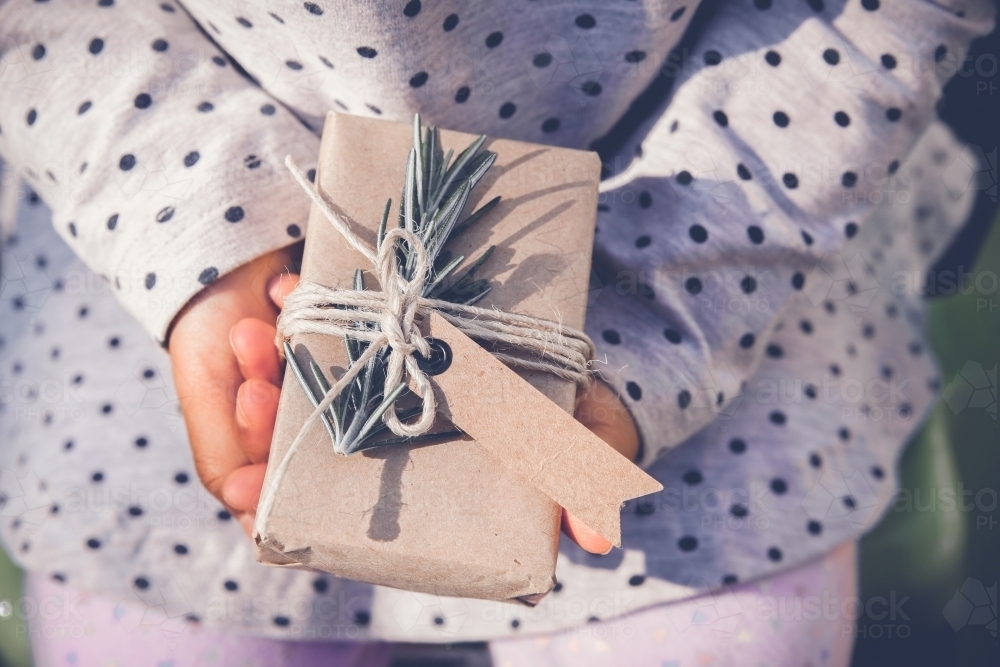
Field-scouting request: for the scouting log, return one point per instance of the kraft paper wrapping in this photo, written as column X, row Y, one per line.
column 445, row 518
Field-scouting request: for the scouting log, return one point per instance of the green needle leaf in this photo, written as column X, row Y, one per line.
column 467, row 276
column 352, row 349
column 382, row 224
column 442, row 169
column 411, row 167
column 440, row 435
column 293, row 363
column 442, row 226
column 421, row 162
column 481, row 288
column 377, row 415
column 457, row 167
column 324, row 385
column 436, row 170
column 430, row 150
column 442, row 274
column 475, row 217
column 480, row 167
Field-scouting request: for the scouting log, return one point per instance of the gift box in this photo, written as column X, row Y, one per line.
column 444, row 516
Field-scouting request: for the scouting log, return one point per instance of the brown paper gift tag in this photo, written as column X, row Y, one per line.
column 550, row 449
column 446, row 518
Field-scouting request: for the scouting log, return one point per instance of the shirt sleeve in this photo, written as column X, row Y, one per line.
column 162, row 162
column 785, row 127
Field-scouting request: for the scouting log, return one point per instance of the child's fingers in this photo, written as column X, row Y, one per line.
column 606, row 416
column 256, row 408
column 241, row 488
column 246, row 520
column 584, row 535
column 603, row 413
column 280, row 286
column 252, row 341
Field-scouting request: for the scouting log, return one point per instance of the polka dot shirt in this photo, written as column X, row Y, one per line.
column 747, row 233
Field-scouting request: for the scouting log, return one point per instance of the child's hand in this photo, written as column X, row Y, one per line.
column 210, row 378
column 257, row 405
column 608, row 418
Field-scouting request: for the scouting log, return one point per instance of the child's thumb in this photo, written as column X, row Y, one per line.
column 281, row 286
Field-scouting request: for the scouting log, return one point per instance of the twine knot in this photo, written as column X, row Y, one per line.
column 401, row 304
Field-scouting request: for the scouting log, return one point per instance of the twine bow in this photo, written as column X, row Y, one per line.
column 313, row 308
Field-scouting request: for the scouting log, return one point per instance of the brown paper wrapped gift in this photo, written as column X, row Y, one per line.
column 447, row 518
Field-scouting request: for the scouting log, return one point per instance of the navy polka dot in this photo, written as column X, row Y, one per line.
column 634, row 390
column 208, row 276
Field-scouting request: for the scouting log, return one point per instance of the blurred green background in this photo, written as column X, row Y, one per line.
column 14, row 650
column 921, row 550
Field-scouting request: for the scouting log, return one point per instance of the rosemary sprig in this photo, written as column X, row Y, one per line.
column 435, row 193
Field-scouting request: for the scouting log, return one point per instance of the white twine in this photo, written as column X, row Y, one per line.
column 316, row 309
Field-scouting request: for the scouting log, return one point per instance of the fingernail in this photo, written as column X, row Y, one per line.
column 610, row 547
column 241, row 418
column 232, row 344
column 246, row 520
column 227, row 497
column 273, row 287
